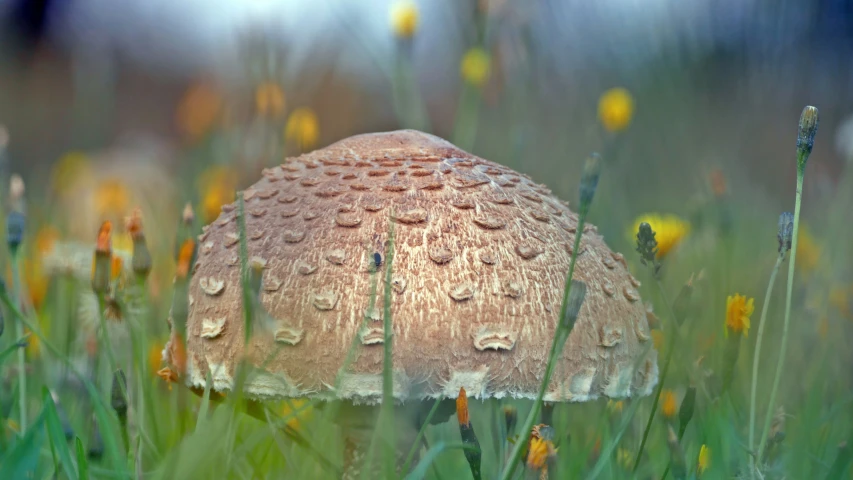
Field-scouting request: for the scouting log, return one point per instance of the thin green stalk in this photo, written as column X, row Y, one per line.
column 560, row 336
column 771, row 407
column 757, row 355
column 21, row 353
column 421, row 433
column 666, row 362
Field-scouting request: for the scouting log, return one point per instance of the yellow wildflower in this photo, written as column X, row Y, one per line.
column 198, row 110
column 538, row 452
column 218, row 186
column 475, row 66
column 669, row 230
column 295, row 411
column 269, row 99
column 615, row 109
column 668, row 404
column 112, row 197
column 302, row 128
column 404, row 18
column 704, row 459
column 738, row 311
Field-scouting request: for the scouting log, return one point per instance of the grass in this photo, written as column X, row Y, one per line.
column 50, row 396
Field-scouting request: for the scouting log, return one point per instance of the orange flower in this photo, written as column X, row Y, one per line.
column 198, row 110
column 104, row 236
column 668, row 404
column 462, row 407
column 168, row 375
column 155, row 356
column 133, row 223
column 115, row 270
column 218, row 186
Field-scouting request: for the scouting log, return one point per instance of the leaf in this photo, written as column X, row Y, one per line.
column 22, row 459
column 56, row 435
column 420, row 471
column 82, row 461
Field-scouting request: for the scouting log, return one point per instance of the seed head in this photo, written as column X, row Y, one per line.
column 806, row 133
column 786, row 231
column 589, row 179
column 647, row 246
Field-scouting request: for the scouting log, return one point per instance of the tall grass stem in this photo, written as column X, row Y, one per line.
column 788, row 298
column 757, row 355
column 21, row 353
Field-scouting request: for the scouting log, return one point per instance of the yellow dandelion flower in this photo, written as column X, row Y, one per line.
column 112, row 197
column 218, row 186
column 198, row 110
column 808, row 251
column 296, row 411
column 404, row 18
column 302, row 128
column 738, row 311
column 704, row 460
column 475, row 66
column 269, row 99
column 538, row 452
column 668, row 404
column 669, row 230
column 615, row 109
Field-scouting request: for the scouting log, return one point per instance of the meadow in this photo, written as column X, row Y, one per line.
column 749, row 300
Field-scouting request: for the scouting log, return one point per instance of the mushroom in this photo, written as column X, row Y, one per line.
column 478, row 278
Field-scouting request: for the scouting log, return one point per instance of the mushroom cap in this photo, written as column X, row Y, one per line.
column 480, row 260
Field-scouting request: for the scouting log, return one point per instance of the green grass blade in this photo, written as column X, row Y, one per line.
column 22, row 460
column 420, row 471
column 82, row 461
column 56, row 435
column 421, row 434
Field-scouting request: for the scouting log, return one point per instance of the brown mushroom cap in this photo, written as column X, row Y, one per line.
column 481, row 255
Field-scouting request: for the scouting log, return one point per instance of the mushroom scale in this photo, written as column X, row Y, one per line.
column 480, row 260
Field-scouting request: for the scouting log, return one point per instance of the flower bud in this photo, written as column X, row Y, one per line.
column 118, row 398
column 806, row 133
column 589, row 180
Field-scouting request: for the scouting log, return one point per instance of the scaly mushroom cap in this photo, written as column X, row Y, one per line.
column 480, row 260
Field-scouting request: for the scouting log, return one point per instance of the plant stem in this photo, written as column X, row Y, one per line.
column 666, row 362
column 788, row 297
column 757, row 355
column 560, row 336
column 21, row 353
